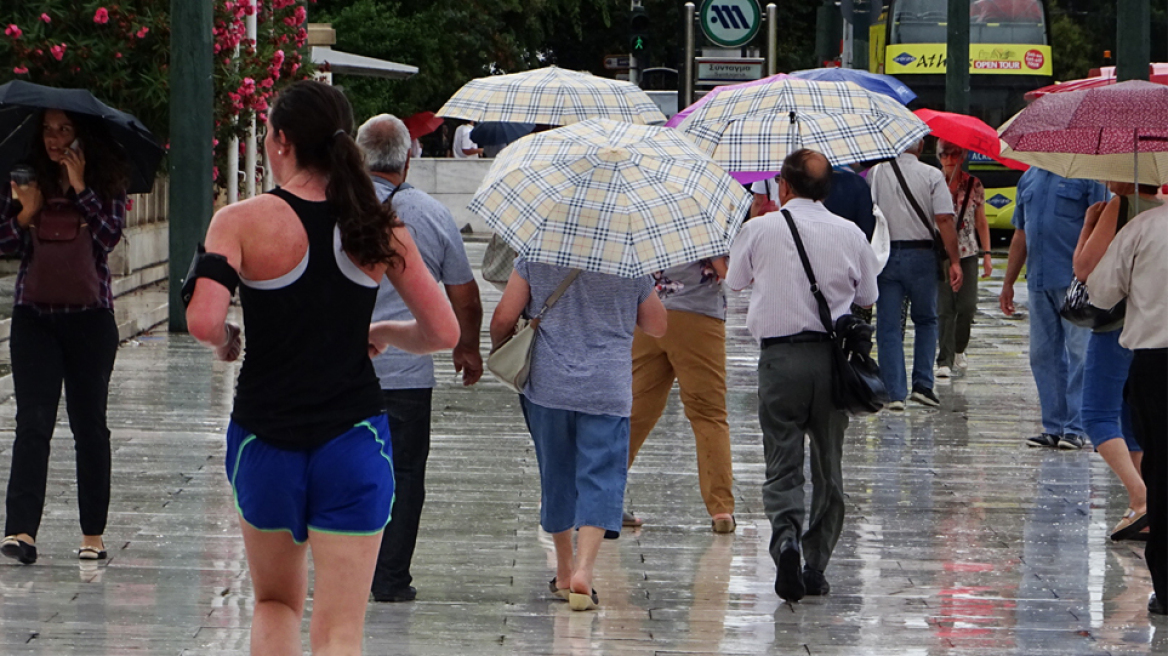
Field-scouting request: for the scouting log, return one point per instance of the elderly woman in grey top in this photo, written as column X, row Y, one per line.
column 577, row 402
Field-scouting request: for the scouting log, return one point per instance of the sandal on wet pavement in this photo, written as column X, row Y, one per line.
column 629, row 519
column 580, row 601
column 91, row 553
column 19, row 550
column 1130, row 525
column 723, row 523
column 561, row 593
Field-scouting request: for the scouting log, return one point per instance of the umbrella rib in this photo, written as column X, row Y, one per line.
column 13, row 133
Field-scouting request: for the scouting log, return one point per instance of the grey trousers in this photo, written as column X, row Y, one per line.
column 794, row 400
column 955, row 311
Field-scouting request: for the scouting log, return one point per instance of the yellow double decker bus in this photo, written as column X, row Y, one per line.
column 1009, row 55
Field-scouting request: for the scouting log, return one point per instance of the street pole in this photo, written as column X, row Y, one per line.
column 772, row 18
column 1134, row 40
column 191, row 132
column 688, row 12
column 957, row 58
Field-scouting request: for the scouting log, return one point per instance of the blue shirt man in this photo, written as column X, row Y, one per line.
column 1048, row 217
column 407, row 380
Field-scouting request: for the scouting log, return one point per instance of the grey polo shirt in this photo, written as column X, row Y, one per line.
column 928, row 187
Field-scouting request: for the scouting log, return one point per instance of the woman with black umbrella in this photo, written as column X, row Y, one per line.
column 63, row 215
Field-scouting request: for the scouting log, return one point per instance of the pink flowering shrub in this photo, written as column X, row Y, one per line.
column 119, row 50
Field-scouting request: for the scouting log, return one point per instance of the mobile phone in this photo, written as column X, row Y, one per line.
column 75, row 146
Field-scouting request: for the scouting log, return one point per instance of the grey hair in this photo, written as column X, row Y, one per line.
column 385, row 142
column 917, row 148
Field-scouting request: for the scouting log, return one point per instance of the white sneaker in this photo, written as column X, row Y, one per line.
column 961, row 362
column 896, row 406
column 944, row 372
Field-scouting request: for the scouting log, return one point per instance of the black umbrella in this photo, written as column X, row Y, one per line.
column 494, row 133
column 21, row 104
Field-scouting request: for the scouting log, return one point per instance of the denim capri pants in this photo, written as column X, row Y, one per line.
column 1106, row 416
column 583, row 465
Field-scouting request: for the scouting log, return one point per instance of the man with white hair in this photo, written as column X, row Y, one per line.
column 916, row 201
column 407, row 380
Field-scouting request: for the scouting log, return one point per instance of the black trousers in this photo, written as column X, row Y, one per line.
column 409, row 432
column 78, row 348
column 1147, row 394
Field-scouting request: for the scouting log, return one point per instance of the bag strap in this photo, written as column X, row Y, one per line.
column 911, row 199
column 1124, row 210
column 824, row 310
column 551, row 300
column 965, row 204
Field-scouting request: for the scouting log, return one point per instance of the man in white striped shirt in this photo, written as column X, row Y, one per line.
column 795, row 366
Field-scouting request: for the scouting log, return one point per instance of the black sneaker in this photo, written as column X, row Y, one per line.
column 924, row 396
column 1071, row 442
column 408, row 593
column 1044, row 439
column 814, row 582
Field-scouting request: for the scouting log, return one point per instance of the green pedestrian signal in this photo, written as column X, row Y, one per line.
column 639, row 32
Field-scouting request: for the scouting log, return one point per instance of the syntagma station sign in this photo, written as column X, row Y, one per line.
column 984, row 59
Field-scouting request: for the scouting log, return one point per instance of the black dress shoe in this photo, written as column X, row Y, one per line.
column 789, row 583
column 408, row 593
column 815, row 582
column 1156, row 607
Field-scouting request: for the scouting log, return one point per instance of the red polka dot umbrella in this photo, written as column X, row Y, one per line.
column 1117, row 132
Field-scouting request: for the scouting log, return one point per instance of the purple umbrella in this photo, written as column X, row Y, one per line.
column 674, row 121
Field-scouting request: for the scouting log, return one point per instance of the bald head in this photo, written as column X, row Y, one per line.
column 807, row 174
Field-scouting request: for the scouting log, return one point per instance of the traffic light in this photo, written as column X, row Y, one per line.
column 638, row 32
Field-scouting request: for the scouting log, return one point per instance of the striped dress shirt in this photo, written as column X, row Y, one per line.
column 781, row 302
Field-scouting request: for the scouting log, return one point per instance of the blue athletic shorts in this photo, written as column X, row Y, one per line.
column 344, row 486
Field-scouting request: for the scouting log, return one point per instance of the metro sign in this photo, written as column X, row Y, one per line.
column 999, row 201
column 730, row 23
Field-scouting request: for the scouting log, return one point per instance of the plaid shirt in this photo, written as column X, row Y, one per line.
column 105, row 220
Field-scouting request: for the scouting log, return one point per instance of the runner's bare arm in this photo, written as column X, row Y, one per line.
column 435, row 327
column 207, row 312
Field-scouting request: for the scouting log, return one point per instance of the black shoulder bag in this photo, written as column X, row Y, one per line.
column 1077, row 306
column 856, row 385
column 938, row 244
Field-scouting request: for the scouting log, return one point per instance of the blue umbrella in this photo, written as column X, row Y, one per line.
column 874, row 82
column 494, row 133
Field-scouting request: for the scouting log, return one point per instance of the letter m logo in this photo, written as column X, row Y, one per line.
column 730, row 16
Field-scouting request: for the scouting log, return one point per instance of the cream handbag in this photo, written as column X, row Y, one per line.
column 511, row 361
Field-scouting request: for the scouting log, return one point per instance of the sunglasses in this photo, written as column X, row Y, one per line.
column 951, row 153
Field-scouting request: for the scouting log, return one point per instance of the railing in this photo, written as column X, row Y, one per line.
column 152, row 207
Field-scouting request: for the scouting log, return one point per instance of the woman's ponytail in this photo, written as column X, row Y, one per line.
column 318, row 120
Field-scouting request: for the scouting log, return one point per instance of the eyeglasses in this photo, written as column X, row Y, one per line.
column 951, row 153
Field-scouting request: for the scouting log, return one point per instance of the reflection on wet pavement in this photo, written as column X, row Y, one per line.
column 958, row 539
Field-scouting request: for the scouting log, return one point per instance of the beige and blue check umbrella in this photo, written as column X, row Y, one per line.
column 551, row 96
column 611, row 197
column 755, row 127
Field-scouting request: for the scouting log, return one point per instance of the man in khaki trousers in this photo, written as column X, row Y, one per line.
column 692, row 352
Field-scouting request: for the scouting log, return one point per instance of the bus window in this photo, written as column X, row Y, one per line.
column 991, row 21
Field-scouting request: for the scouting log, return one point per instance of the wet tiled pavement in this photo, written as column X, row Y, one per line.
column 958, row 539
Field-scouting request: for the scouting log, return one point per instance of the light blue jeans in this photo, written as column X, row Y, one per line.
column 911, row 273
column 583, row 465
column 1058, row 351
column 1106, row 415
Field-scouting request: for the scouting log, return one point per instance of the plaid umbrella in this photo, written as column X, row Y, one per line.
column 551, row 96
column 1116, row 132
column 754, row 128
column 611, row 197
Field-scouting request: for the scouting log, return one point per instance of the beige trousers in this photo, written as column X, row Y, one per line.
column 692, row 352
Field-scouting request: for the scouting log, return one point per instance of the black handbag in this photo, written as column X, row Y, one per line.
column 1077, row 306
column 856, row 386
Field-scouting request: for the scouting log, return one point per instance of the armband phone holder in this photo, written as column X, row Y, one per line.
column 208, row 265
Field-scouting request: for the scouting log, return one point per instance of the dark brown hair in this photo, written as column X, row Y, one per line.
column 808, row 173
column 106, row 170
column 318, row 120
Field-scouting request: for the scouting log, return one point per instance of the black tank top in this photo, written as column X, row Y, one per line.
column 306, row 375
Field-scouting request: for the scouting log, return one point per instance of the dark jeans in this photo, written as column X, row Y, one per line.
column 794, row 400
column 1147, row 389
column 955, row 311
column 78, row 348
column 409, row 430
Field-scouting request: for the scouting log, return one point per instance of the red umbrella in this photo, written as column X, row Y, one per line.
column 967, row 132
column 422, row 123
